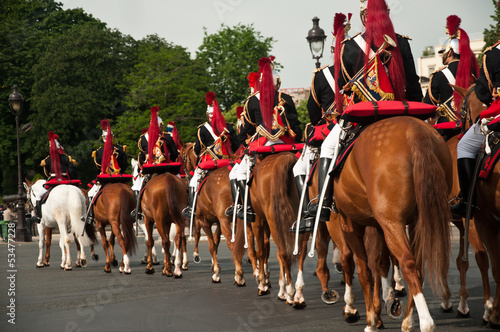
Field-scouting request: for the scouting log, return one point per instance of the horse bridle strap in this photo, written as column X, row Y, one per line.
column 465, row 109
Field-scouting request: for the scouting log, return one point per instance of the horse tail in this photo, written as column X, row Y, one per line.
column 431, row 239
column 127, row 222
column 172, row 189
column 76, row 209
column 284, row 213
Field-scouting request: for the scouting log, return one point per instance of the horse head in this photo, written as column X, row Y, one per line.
column 470, row 106
column 189, row 158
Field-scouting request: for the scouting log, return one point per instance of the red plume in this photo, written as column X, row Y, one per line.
column 452, row 25
column 175, row 136
column 108, row 147
column 218, row 122
column 378, row 24
column 266, row 92
column 239, row 110
column 339, row 34
column 253, row 81
column 55, row 161
column 153, row 132
column 467, row 65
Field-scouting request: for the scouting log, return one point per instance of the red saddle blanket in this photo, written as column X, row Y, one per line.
column 275, row 148
column 213, row 164
column 114, row 178
column 368, row 112
column 488, row 162
column 55, row 182
column 173, row 168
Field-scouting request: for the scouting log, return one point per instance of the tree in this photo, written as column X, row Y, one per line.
column 164, row 76
column 492, row 35
column 229, row 56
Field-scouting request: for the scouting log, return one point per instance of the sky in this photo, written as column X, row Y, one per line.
column 288, row 22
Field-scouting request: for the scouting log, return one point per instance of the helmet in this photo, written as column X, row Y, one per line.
column 105, row 129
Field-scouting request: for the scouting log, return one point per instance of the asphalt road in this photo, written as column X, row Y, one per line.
column 86, row 299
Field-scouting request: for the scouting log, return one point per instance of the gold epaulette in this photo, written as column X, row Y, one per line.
column 404, row 36
column 201, row 125
column 124, row 148
column 94, row 154
column 489, row 48
column 43, row 163
column 319, row 69
column 73, row 161
column 438, row 70
column 351, row 37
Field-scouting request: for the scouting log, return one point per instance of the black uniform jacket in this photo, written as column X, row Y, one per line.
column 68, row 166
column 439, row 90
column 121, row 158
column 205, row 139
column 168, row 141
column 253, row 116
column 492, row 64
column 322, row 95
column 353, row 59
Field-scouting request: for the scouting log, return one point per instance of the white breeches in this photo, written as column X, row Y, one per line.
column 137, row 183
column 196, row 177
column 470, row 144
column 330, row 143
column 300, row 167
column 93, row 191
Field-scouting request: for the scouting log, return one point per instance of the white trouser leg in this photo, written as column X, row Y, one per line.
column 300, row 167
column 470, row 144
column 330, row 143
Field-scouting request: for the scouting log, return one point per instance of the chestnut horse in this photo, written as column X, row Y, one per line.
column 274, row 199
column 485, row 218
column 112, row 207
column 398, row 173
column 163, row 199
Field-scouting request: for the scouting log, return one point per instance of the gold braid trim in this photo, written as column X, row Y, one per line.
column 344, row 70
column 492, row 88
column 313, row 91
column 434, row 100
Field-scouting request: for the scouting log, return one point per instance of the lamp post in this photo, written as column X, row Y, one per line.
column 316, row 39
column 16, row 102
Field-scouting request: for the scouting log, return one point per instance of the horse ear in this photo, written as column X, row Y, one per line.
column 28, row 182
column 461, row 91
column 26, row 185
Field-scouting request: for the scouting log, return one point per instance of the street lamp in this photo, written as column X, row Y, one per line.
column 316, row 39
column 16, row 102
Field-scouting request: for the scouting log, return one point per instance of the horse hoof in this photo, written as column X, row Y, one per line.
column 184, row 268
column 196, row 259
column 330, row 297
column 216, row 281
column 462, row 315
column 351, row 318
column 46, row 264
column 484, row 322
column 401, row 293
column 395, row 309
column 84, row 263
column 168, row 274
column 177, row 276
column 297, row 305
column 107, row 271
column 129, row 272
column 95, row 257
column 447, row 311
column 263, row 292
column 114, row 263
column 338, row 268
column 238, row 284
column 68, row 269
column 40, row 266
column 77, row 264
column 150, row 271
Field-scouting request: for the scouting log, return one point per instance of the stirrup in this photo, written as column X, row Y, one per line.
column 186, row 212
column 230, row 210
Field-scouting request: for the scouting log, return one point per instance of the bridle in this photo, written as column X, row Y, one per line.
column 187, row 161
column 465, row 110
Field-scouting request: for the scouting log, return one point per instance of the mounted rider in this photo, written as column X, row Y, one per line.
column 322, row 113
column 109, row 159
column 57, row 166
column 155, row 147
column 459, row 67
column 215, row 140
column 470, row 144
column 355, row 80
column 270, row 118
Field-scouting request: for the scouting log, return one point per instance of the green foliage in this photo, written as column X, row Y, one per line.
column 229, row 56
column 303, row 114
column 492, row 35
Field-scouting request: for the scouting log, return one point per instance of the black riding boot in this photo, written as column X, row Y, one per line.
column 90, row 218
column 465, row 168
column 323, row 166
column 136, row 200
column 250, row 212
column 307, row 220
column 189, row 209
column 38, row 211
column 234, row 190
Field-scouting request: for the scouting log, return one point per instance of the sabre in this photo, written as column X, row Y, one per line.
column 234, row 213
column 301, row 204
column 245, row 206
column 192, row 216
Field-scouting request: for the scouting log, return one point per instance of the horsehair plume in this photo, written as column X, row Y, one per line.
column 210, row 97
column 452, row 25
column 339, row 34
column 153, row 132
column 266, row 91
column 175, row 136
column 108, row 147
column 253, row 81
column 55, row 161
column 239, row 110
column 378, row 24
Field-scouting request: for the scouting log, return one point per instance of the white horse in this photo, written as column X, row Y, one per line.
column 64, row 208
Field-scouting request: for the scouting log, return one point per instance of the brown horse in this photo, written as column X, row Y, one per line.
column 398, row 173
column 112, row 207
column 274, row 199
column 163, row 199
column 485, row 219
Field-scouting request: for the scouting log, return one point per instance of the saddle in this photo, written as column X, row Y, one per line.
column 114, row 178
column 151, row 168
column 489, row 161
column 54, row 182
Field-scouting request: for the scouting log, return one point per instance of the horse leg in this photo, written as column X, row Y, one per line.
column 322, row 271
column 252, row 255
column 64, row 243
column 125, row 264
column 185, row 260
column 212, row 247
column 41, row 242
column 111, row 242
column 178, row 248
column 150, row 245
column 164, row 231
column 397, row 279
column 267, row 253
column 298, row 301
column 48, row 242
column 197, row 235
column 102, row 231
column 260, row 253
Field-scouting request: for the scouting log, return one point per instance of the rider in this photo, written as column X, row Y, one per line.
column 57, row 165
column 109, row 159
column 469, row 145
column 355, row 52
column 270, row 118
column 459, row 65
column 215, row 140
column 322, row 112
column 155, row 147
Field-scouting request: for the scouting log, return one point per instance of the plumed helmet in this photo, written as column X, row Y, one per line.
column 217, row 120
column 154, row 131
column 55, row 150
column 108, row 145
column 239, row 110
column 105, row 131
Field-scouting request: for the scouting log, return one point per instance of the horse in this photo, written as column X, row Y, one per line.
column 64, row 208
column 112, row 207
column 399, row 173
column 485, row 217
column 163, row 199
column 274, row 199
